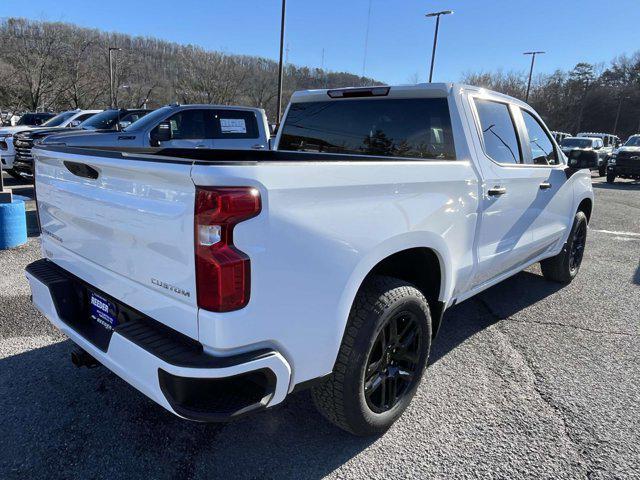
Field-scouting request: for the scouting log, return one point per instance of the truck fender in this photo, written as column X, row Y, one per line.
column 385, row 249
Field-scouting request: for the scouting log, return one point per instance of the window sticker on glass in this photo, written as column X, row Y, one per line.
column 233, row 125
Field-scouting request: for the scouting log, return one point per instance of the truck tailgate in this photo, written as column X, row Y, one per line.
column 125, row 223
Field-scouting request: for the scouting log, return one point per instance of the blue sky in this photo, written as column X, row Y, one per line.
column 480, row 35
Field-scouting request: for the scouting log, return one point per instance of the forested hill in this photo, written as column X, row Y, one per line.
column 56, row 66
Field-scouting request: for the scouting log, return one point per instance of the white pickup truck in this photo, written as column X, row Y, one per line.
column 219, row 281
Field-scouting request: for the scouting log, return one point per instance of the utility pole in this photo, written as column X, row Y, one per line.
column 366, row 40
column 615, row 124
column 533, row 59
column 111, row 88
column 435, row 37
column 281, row 65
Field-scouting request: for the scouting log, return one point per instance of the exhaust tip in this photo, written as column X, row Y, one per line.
column 80, row 358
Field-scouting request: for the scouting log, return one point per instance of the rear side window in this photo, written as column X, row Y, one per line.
column 542, row 150
column 416, row 128
column 235, row 124
column 498, row 131
column 190, row 125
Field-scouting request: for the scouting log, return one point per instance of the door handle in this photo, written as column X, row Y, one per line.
column 257, row 146
column 496, row 191
column 545, row 186
column 201, row 145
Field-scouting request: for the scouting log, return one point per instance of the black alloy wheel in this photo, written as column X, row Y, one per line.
column 393, row 362
column 577, row 246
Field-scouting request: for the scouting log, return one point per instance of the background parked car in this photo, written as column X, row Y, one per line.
column 106, row 121
column 625, row 161
column 68, row 119
column 25, row 121
column 184, row 126
column 559, row 136
column 587, row 143
column 610, row 143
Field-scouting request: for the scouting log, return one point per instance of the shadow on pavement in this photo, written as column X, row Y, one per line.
column 621, row 185
column 63, row 422
column 498, row 302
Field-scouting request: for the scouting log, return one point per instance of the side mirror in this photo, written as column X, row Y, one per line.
column 580, row 159
column 74, row 123
column 162, row 133
column 123, row 124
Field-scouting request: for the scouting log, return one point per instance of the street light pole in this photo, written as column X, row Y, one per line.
column 281, row 65
column 111, row 50
column 533, row 59
column 435, row 37
column 615, row 124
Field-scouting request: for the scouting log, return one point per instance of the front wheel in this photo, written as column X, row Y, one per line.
column 381, row 360
column 611, row 177
column 565, row 266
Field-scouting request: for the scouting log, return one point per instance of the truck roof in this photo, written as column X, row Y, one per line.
column 419, row 90
column 217, row 107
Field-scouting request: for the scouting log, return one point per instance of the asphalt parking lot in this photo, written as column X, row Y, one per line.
column 527, row 380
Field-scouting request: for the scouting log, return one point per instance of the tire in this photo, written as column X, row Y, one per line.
column 611, row 177
column 564, row 267
column 356, row 397
column 602, row 171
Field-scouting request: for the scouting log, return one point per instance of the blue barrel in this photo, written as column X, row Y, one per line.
column 13, row 224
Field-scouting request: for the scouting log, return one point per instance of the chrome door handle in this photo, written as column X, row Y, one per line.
column 545, row 186
column 257, row 146
column 201, row 145
column 496, row 191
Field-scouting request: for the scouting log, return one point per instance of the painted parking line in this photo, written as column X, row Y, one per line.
column 610, row 232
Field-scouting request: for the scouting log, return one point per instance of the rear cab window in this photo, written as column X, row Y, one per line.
column 389, row 127
column 235, row 124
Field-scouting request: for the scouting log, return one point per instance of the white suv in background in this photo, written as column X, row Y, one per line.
column 70, row 118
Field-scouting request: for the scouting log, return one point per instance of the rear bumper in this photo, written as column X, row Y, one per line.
column 168, row 367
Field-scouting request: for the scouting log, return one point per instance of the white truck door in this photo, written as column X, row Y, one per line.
column 238, row 129
column 553, row 206
column 191, row 128
column 510, row 188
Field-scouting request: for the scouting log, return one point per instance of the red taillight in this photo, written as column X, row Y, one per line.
column 223, row 273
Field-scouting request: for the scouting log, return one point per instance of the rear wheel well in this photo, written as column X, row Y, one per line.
column 586, row 206
column 420, row 267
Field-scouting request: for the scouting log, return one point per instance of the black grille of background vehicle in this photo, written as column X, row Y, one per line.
column 23, row 146
column 628, row 159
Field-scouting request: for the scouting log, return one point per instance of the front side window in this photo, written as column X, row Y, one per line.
column 542, row 151
column 191, row 125
column 415, row 128
column 498, row 131
column 633, row 142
